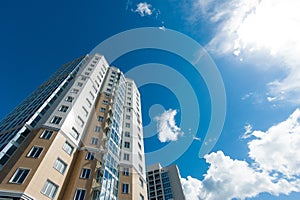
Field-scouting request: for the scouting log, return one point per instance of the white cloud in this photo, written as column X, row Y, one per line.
column 275, row 167
column 144, row 9
column 129, row 2
column 277, row 149
column 255, row 98
column 167, row 128
column 196, row 138
column 248, row 131
column 192, row 188
column 247, row 96
column 227, row 179
column 270, row 99
column 260, row 29
column 163, row 28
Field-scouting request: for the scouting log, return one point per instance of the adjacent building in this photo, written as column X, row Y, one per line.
column 164, row 183
column 78, row 136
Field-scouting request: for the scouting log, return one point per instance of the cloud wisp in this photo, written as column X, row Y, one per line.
column 265, row 31
column 166, row 126
column 248, row 131
column 144, row 9
column 274, row 168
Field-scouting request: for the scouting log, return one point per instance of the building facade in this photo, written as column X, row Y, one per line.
column 132, row 168
column 66, row 140
column 164, row 183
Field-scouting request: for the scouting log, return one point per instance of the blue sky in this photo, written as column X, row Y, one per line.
column 255, row 46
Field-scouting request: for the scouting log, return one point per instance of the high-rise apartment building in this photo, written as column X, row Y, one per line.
column 164, row 183
column 78, row 136
column 132, row 176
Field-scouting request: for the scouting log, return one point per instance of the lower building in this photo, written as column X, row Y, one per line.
column 164, row 183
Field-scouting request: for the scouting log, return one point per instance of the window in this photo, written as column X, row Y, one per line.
column 99, row 78
column 35, row 152
column 69, row 99
column 139, row 137
column 74, row 133
column 127, row 116
column 56, row 120
column 90, row 69
column 140, row 147
column 127, row 145
column 97, row 83
column 168, row 190
column 127, row 125
column 141, row 182
column 105, row 102
column 46, row 134
column 126, row 156
column 102, row 109
column 19, row 176
column 83, row 78
column 167, row 185
column 68, row 148
column 89, row 102
column 140, row 156
column 81, row 122
column 45, row 109
column 52, row 100
column 95, row 89
column 141, row 168
column 125, row 188
column 99, row 175
column 60, row 166
column 85, row 111
column 80, row 194
column 97, row 129
column 85, row 173
column 90, row 156
column 75, row 91
column 141, row 197
column 63, row 108
column 100, row 119
column 92, row 96
column 79, row 84
column 127, row 134
column 94, row 141
column 49, row 189
column 126, row 171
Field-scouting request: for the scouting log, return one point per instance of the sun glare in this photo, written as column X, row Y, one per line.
column 273, row 25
